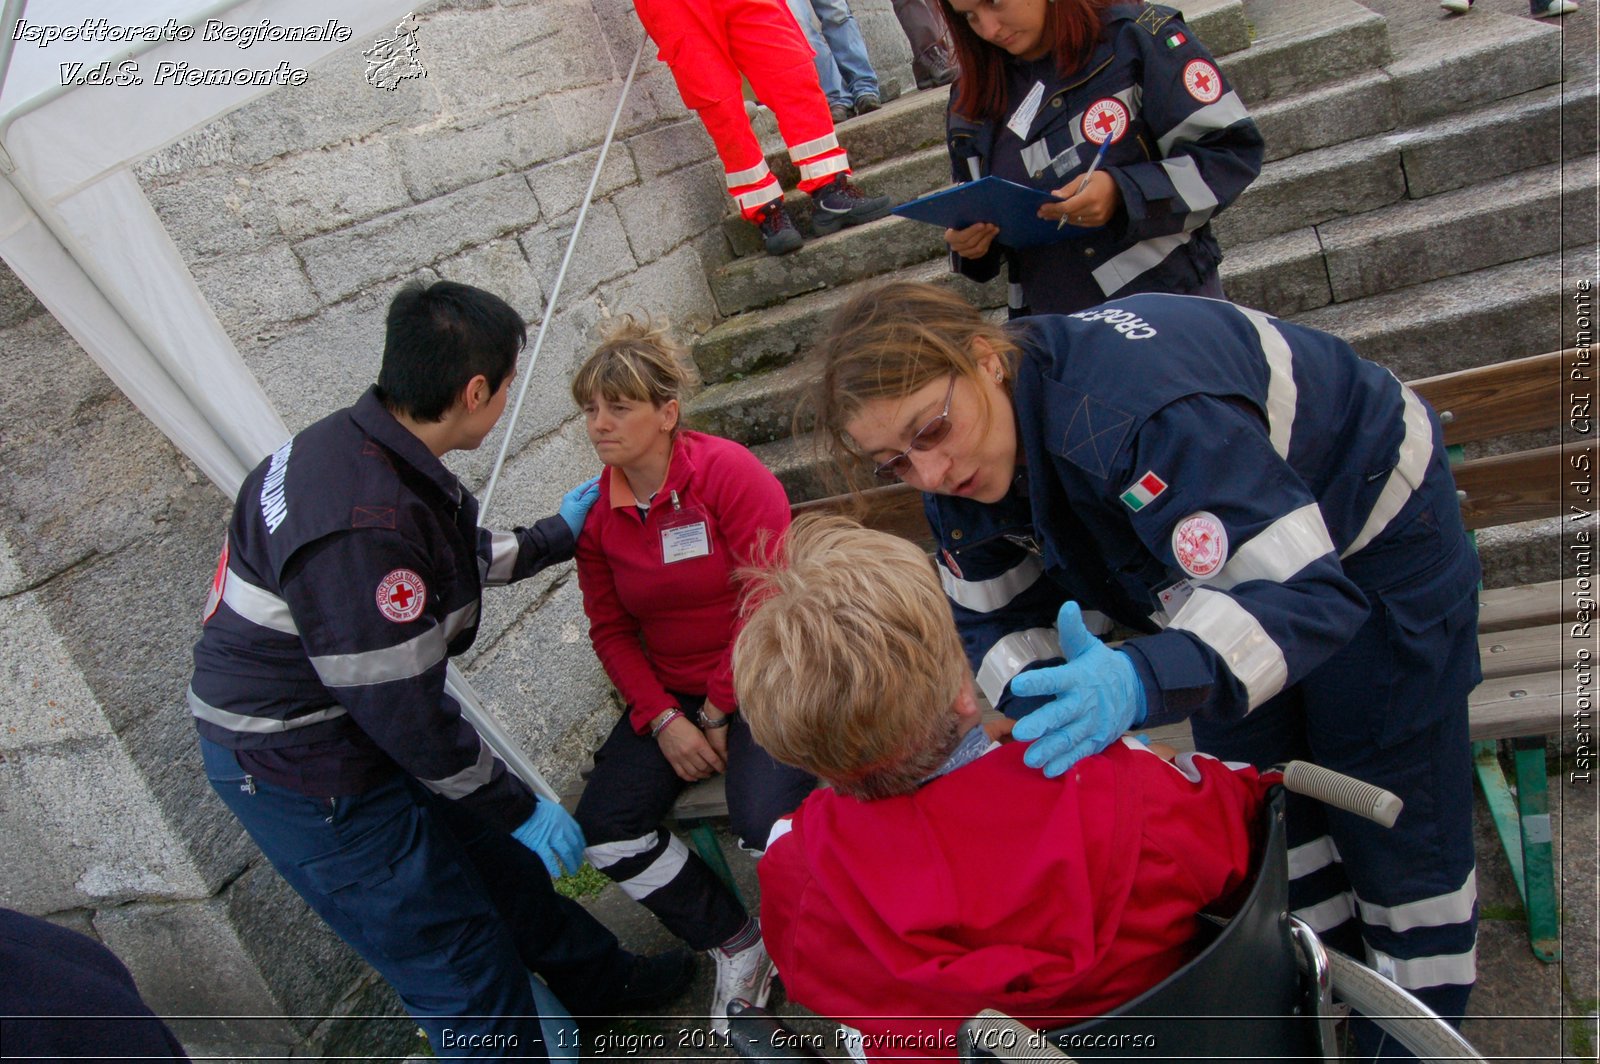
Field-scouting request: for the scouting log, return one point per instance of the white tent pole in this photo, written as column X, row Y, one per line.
column 8, row 32
column 555, row 292
column 478, row 714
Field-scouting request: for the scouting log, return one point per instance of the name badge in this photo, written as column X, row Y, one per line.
column 1021, row 119
column 684, row 534
column 1172, row 600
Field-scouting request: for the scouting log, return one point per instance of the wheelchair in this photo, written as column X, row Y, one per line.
column 1262, row 986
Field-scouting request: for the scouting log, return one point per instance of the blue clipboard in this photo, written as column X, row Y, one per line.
column 1011, row 206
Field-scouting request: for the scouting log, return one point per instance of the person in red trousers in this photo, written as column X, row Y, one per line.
column 709, row 45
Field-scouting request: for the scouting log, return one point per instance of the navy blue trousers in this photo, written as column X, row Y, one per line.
column 451, row 911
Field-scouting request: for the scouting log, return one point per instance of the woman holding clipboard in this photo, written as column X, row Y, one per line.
column 1123, row 115
column 679, row 514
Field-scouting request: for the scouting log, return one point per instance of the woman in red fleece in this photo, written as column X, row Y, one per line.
column 940, row 875
column 679, row 513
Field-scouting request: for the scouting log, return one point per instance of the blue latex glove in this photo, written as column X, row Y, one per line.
column 575, row 504
column 1098, row 696
column 552, row 834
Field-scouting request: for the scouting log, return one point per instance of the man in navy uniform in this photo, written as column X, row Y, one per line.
column 350, row 575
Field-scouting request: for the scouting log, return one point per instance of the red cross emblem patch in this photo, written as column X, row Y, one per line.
column 1202, row 81
column 1105, row 119
column 1200, row 544
column 401, row 596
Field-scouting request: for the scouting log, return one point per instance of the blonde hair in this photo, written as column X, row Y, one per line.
column 849, row 665
column 887, row 343
column 636, row 360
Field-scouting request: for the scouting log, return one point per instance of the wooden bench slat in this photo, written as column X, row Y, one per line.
column 1525, row 486
column 1523, row 650
column 1497, row 400
column 1525, row 605
column 1510, row 706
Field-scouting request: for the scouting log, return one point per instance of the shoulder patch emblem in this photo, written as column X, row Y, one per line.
column 1142, row 492
column 401, row 596
column 1200, row 544
column 1202, row 81
column 1152, row 19
column 1105, row 119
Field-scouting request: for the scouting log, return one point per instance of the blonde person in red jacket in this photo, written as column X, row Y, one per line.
column 679, row 514
column 940, row 875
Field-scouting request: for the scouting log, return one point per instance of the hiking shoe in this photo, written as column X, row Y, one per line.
column 840, row 112
column 867, row 103
column 778, row 233
column 1456, row 7
column 839, row 203
column 1556, row 7
column 654, row 981
column 746, row 975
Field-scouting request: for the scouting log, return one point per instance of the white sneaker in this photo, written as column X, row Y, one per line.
column 1557, row 7
column 747, row 974
column 1456, row 7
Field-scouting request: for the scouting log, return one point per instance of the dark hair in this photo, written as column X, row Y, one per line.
column 1071, row 26
column 438, row 338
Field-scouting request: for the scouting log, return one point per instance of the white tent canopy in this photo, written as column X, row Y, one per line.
column 76, row 227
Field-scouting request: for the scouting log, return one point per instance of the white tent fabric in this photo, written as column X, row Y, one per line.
column 77, row 229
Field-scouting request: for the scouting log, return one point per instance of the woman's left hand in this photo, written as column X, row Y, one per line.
column 1094, row 206
column 717, row 738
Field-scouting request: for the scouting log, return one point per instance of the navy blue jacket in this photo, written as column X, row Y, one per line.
column 1184, row 147
column 350, row 575
column 1227, row 482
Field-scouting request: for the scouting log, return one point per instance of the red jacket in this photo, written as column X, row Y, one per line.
column 995, row 887
column 660, row 627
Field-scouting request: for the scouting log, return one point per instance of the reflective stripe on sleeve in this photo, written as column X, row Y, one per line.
column 257, row 605
column 986, row 596
column 1146, row 255
column 833, row 164
column 1437, row 911
column 468, row 779
column 1197, row 195
column 1278, row 551
column 805, row 150
column 1225, row 626
column 749, row 177
column 1213, row 116
column 1282, row 392
column 503, row 549
column 1416, row 450
column 400, row 662
column 247, row 725
column 1444, row 969
column 1010, row 655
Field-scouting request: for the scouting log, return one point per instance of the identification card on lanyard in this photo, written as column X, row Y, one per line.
column 1021, row 119
column 684, row 533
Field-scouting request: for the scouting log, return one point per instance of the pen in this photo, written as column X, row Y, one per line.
column 1094, row 165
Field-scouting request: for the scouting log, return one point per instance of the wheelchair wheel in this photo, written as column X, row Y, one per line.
column 1396, row 1012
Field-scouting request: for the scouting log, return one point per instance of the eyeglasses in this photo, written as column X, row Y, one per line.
column 930, row 435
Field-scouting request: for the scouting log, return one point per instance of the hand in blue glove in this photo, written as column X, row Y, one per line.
column 575, row 504
column 1098, row 696
column 552, row 834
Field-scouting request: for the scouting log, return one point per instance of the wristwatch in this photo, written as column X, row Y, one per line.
column 710, row 723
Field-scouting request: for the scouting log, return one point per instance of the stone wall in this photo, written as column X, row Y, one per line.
column 299, row 215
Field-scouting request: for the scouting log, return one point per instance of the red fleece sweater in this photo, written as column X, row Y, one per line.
column 995, row 887
column 658, row 626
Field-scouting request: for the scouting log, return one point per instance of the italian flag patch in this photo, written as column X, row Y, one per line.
column 1142, row 492
column 1176, row 39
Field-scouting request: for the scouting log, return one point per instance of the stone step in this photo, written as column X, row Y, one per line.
column 1301, row 44
column 1416, row 241
column 751, row 343
column 1466, row 320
